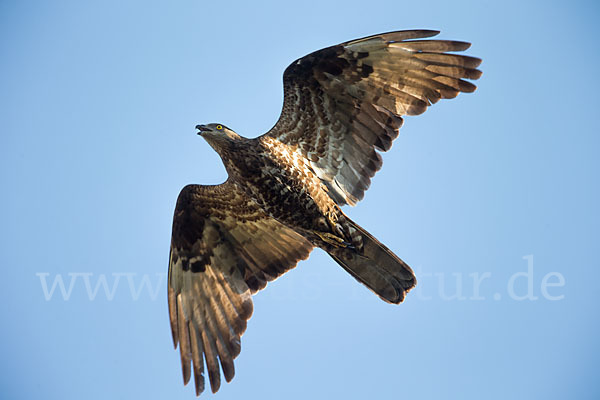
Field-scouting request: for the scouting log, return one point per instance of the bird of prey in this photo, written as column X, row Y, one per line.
column 342, row 106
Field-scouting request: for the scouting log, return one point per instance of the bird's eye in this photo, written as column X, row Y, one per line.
column 219, row 127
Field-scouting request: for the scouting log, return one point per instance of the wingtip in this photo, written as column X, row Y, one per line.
column 460, row 45
column 199, row 384
column 187, row 374
column 398, row 36
column 429, row 32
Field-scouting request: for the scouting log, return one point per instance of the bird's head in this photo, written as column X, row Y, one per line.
column 217, row 135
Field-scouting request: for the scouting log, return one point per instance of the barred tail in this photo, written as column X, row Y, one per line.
column 376, row 267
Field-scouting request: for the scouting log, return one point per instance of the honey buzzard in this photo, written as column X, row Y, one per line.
column 342, row 105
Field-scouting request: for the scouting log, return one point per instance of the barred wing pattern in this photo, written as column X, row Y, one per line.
column 223, row 249
column 344, row 102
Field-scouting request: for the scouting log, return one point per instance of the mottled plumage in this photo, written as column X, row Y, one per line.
column 342, row 105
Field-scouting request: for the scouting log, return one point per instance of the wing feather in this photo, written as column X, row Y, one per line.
column 344, row 102
column 223, row 249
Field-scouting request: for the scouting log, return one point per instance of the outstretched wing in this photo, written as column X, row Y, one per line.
column 343, row 103
column 223, row 249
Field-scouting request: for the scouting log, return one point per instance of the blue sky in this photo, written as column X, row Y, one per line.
column 98, row 107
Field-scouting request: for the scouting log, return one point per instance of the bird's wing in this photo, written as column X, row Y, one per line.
column 223, row 249
column 344, row 102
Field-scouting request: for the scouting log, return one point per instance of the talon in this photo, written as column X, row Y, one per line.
column 332, row 220
column 339, row 230
column 332, row 239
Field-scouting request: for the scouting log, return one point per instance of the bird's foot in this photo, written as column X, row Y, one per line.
column 332, row 239
column 333, row 221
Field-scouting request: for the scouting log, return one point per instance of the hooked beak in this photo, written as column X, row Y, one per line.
column 202, row 128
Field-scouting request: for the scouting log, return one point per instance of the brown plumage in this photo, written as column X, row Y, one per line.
column 341, row 105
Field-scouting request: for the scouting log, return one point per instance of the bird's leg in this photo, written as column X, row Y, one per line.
column 336, row 237
column 332, row 239
column 334, row 224
column 342, row 228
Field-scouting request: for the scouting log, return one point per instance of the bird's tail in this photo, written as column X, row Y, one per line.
column 375, row 266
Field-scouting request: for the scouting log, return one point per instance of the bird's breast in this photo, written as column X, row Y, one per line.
column 280, row 179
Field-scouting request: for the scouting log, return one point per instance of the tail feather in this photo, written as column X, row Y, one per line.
column 376, row 267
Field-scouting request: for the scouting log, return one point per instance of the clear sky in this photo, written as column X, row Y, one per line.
column 492, row 198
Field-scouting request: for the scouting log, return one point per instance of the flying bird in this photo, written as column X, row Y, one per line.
column 342, row 106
